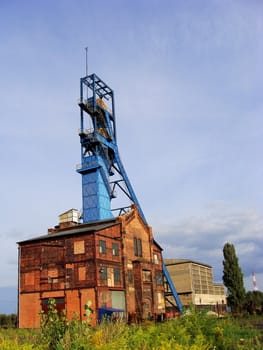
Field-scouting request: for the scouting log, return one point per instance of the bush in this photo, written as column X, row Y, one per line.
column 8, row 321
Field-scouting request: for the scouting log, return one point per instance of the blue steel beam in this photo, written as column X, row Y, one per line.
column 172, row 288
column 128, row 185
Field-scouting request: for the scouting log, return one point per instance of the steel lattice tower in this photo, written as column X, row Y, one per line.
column 101, row 167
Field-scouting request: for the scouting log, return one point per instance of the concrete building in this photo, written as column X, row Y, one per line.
column 195, row 285
column 114, row 263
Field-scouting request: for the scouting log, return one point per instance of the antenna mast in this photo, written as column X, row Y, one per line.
column 87, row 49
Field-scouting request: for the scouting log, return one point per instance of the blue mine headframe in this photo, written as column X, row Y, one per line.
column 101, row 167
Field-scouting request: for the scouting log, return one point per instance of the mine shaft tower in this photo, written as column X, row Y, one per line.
column 101, row 167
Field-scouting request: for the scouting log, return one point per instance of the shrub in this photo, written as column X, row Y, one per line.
column 53, row 326
column 8, row 321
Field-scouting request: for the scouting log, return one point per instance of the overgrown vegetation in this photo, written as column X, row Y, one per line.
column 192, row 331
column 8, row 321
column 254, row 302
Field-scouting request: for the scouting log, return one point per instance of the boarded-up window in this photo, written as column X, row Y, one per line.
column 29, row 279
column 79, row 247
column 53, row 272
column 82, row 273
column 52, row 275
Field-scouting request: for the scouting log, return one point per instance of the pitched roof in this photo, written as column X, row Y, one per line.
column 78, row 229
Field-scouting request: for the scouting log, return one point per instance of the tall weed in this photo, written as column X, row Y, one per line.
column 192, row 331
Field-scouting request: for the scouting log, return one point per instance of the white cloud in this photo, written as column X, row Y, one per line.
column 202, row 238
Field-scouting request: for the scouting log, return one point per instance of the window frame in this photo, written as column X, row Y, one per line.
column 103, row 273
column 159, row 278
column 130, row 276
column 155, row 258
column 102, row 246
column 147, row 276
column 117, row 275
column 137, row 242
column 115, row 249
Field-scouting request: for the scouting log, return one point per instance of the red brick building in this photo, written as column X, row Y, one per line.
column 115, row 263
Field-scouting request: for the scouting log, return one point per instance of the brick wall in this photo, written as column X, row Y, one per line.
column 29, row 309
column 72, row 265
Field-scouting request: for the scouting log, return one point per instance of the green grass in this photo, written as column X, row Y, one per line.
column 195, row 331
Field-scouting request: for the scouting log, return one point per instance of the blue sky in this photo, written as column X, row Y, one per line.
column 188, row 82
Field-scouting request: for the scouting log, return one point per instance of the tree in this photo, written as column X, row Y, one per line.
column 233, row 278
column 8, row 321
column 254, row 302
